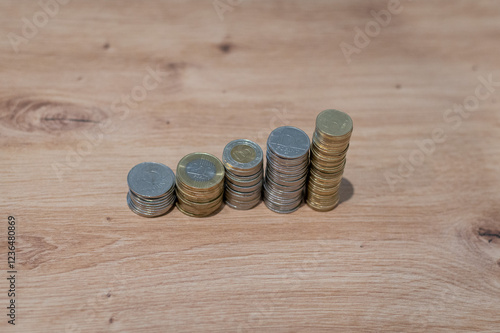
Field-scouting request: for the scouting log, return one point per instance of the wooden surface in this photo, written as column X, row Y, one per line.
column 423, row 255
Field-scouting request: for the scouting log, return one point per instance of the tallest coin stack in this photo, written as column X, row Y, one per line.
column 328, row 157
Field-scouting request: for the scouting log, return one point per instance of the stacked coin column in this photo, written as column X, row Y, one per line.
column 328, row 158
column 200, row 184
column 286, row 170
column 151, row 189
column 242, row 160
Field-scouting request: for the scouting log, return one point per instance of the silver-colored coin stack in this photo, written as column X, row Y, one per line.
column 286, row 170
column 151, row 189
column 243, row 161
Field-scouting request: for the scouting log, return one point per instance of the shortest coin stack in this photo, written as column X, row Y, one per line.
column 200, row 184
column 243, row 162
column 151, row 189
column 328, row 157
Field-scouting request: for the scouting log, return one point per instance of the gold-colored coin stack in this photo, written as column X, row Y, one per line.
column 328, row 158
column 200, row 184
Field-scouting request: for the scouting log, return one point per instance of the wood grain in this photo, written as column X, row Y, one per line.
column 422, row 256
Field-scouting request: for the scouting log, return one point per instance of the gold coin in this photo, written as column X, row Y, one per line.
column 314, row 191
column 321, row 206
column 198, row 193
column 195, row 213
column 334, row 123
column 327, row 139
column 198, row 199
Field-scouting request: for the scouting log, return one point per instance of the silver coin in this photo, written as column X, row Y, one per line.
column 288, row 177
column 244, row 181
column 289, row 142
column 290, row 187
column 282, row 200
column 242, row 206
column 146, row 200
column 238, row 176
column 150, row 180
column 152, row 206
column 231, row 194
column 278, row 209
column 286, row 205
column 287, row 167
column 245, row 189
column 147, row 213
column 286, row 161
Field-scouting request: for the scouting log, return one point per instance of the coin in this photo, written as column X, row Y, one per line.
column 243, row 162
column 288, row 142
column 286, row 170
column 328, row 158
column 200, row 170
column 243, row 157
column 200, row 184
column 151, row 189
column 334, row 123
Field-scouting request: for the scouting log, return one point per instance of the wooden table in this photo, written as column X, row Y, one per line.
column 88, row 89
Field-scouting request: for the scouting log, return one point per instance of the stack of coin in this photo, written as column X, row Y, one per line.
column 243, row 162
column 151, row 189
column 200, row 184
column 328, row 157
column 286, row 170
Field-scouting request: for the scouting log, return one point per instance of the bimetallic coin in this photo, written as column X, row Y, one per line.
column 200, row 170
column 242, row 157
column 243, row 161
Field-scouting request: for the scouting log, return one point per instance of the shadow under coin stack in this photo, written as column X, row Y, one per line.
column 286, row 170
column 151, row 189
column 200, row 184
column 328, row 158
column 243, row 162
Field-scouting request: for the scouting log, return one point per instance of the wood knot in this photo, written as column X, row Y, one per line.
column 31, row 114
column 489, row 234
column 176, row 66
column 225, row 47
column 480, row 237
